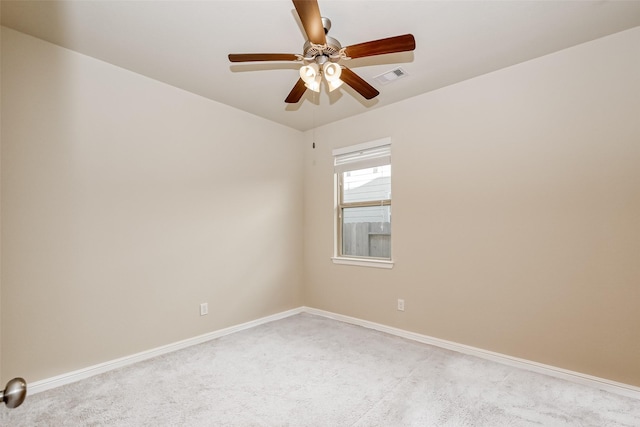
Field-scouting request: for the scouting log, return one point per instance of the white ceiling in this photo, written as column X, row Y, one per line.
column 185, row 43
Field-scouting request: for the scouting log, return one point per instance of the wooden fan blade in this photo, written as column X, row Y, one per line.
column 395, row 44
column 309, row 14
column 248, row 57
column 296, row 93
column 358, row 84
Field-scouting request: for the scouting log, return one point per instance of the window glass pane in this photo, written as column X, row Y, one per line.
column 367, row 184
column 366, row 231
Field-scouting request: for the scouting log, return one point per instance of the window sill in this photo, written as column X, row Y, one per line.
column 375, row 263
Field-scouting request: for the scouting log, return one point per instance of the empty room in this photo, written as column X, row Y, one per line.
column 320, row 213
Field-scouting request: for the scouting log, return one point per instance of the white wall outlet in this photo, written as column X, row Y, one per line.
column 400, row 305
column 204, row 309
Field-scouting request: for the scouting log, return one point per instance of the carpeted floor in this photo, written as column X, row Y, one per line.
column 312, row 371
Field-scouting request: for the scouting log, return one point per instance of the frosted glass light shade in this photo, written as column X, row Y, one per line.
column 314, row 85
column 332, row 72
column 310, row 74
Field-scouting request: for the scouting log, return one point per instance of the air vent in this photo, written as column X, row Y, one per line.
column 390, row 76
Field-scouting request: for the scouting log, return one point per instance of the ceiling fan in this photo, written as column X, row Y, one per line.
column 321, row 55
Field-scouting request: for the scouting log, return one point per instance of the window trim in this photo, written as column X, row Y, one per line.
column 361, row 147
column 363, row 262
column 339, row 205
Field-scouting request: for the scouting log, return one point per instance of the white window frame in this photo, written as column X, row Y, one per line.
column 358, row 161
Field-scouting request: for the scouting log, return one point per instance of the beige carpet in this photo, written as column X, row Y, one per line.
column 311, row 371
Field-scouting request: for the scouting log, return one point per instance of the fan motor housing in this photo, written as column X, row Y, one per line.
column 322, row 53
column 330, row 49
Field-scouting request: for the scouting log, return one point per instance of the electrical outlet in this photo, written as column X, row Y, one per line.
column 400, row 305
column 204, row 309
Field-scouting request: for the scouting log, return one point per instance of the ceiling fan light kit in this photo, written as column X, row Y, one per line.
column 322, row 53
column 311, row 75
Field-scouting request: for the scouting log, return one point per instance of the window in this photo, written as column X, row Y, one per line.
column 363, row 204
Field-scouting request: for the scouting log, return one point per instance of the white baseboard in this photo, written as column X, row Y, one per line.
column 552, row 371
column 80, row 374
column 576, row 377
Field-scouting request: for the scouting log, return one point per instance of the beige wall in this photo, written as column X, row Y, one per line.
column 516, row 212
column 125, row 204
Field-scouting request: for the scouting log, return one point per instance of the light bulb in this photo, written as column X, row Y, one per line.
column 331, row 71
